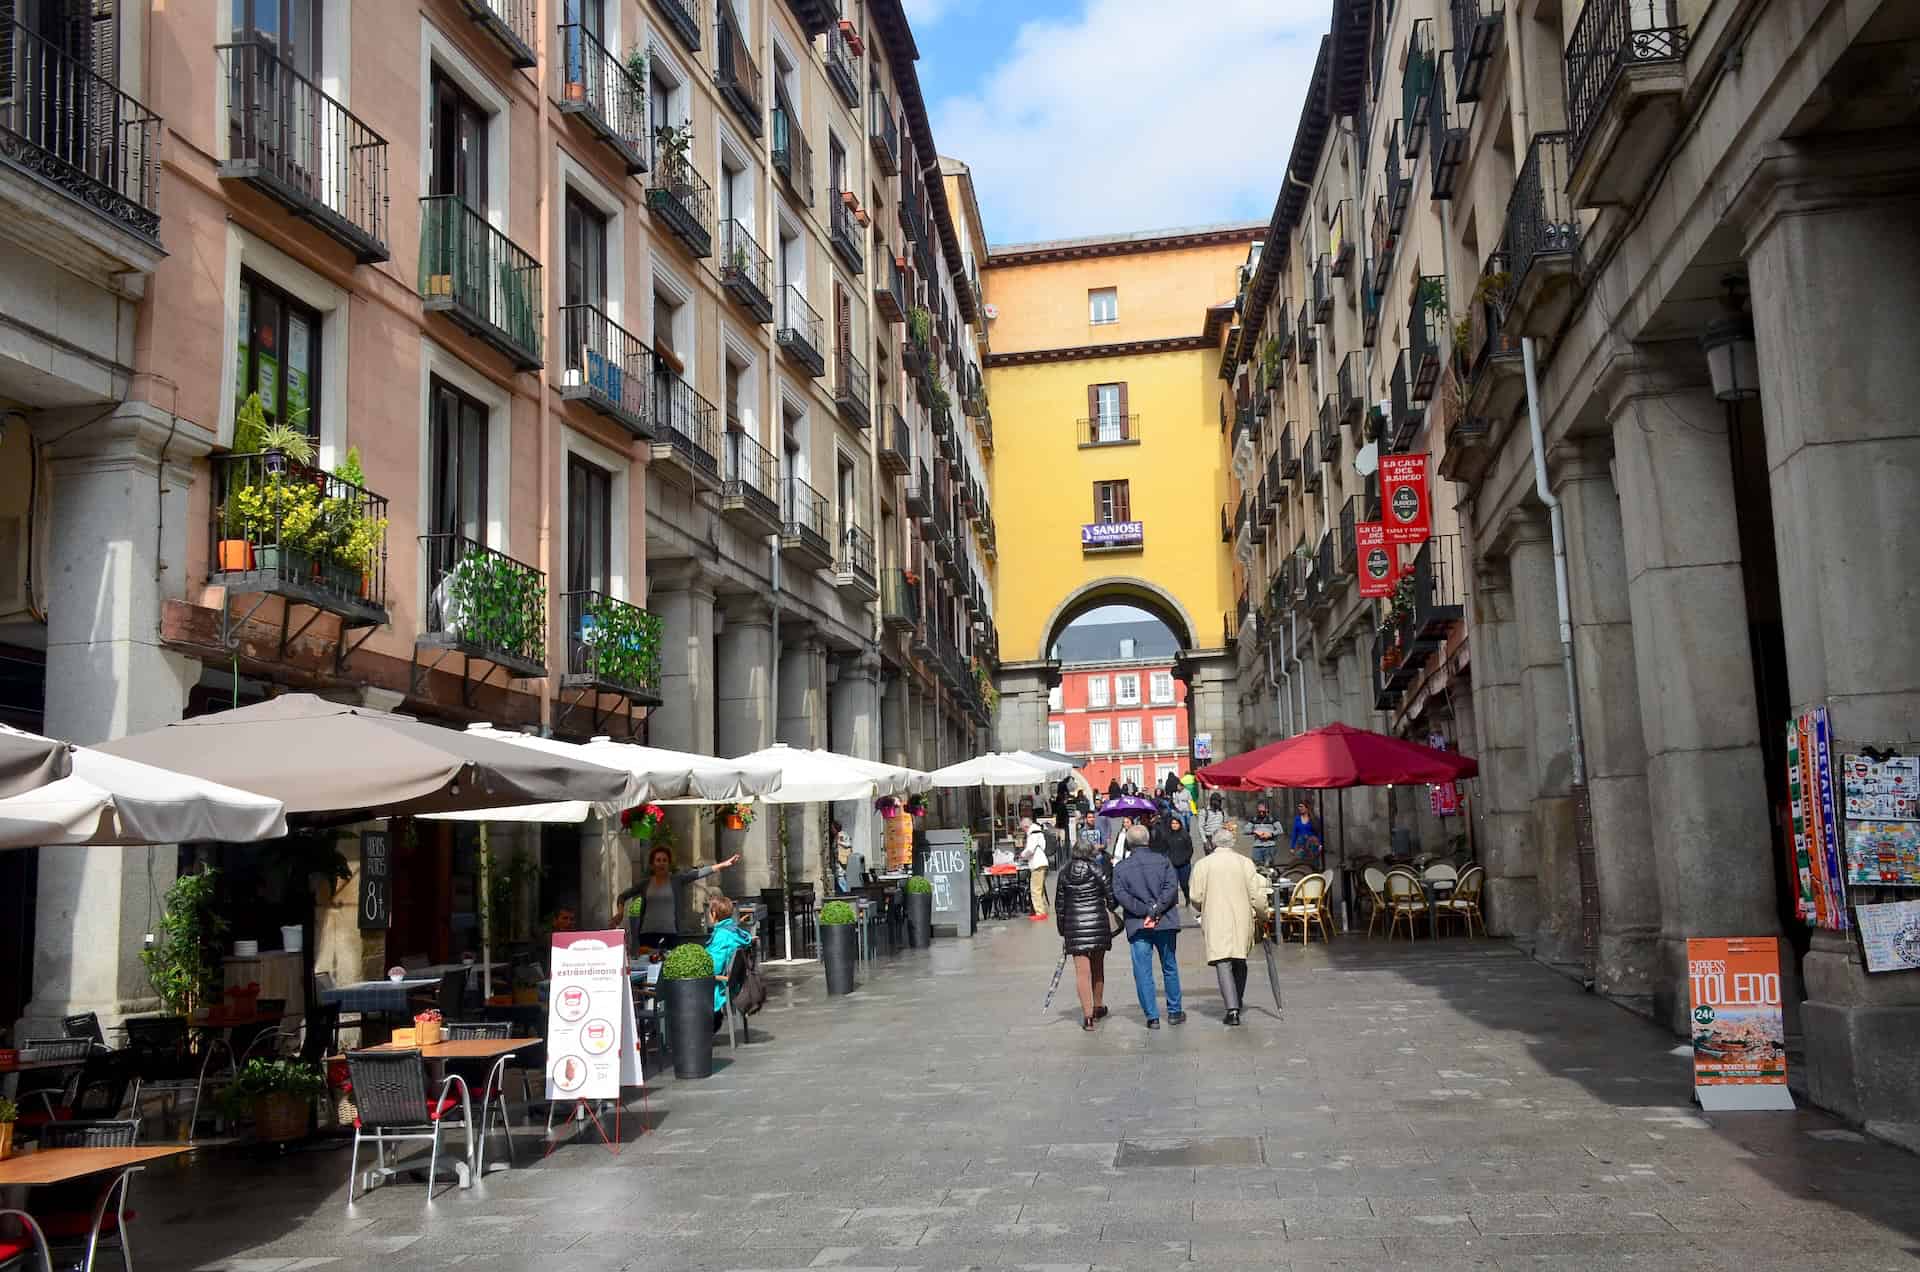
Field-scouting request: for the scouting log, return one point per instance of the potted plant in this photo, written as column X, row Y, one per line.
column 686, row 992
column 920, row 912
column 672, row 148
column 278, row 1094
column 644, row 822
column 9, row 1114
column 837, row 945
column 426, row 1026
column 731, row 816
column 184, row 963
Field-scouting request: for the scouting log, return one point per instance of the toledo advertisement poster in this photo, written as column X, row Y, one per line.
column 1739, row 1035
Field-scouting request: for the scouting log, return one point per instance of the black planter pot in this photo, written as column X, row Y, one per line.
column 689, row 1007
column 920, row 919
column 839, row 950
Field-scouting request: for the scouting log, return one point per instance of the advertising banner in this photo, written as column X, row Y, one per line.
column 592, row 1037
column 376, row 886
column 1739, row 1034
column 899, row 841
column 1890, row 935
column 1404, row 509
column 1113, row 534
column 1379, row 560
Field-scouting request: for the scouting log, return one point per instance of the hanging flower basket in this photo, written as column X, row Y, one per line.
column 731, row 816
column 887, row 806
column 643, row 822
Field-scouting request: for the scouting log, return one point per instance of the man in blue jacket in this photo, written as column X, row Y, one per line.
column 1148, row 891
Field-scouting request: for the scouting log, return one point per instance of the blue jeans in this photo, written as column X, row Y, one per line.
column 1142, row 946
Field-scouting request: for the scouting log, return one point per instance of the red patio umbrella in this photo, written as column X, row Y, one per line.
column 1337, row 755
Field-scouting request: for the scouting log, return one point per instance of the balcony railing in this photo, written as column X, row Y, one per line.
column 1488, row 340
column 1416, row 84
column 804, row 512
column 842, row 67
column 304, row 150
column 848, row 238
column 1109, row 430
column 735, row 73
column 889, row 286
column 912, row 218
column 884, row 133
column 287, row 529
column 612, row 646
column 1322, row 288
column 78, row 132
column 1437, row 597
column 1340, row 234
column 607, row 367
column 596, row 86
column 1540, row 216
column 480, row 278
column 683, row 18
column 850, row 392
column 899, row 601
column 1449, row 137
column 1423, row 334
column 751, row 477
column 792, row 156
column 1349, row 540
column 684, row 421
column 1309, row 464
column 1397, row 193
column 1610, row 36
column 896, row 441
column 1305, row 335
column 1289, row 462
column 1404, row 421
column 1329, row 440
column 484, row 604
column 920, row 492
column 1351, row 381
column 745, row 270
column 855, row 562
column 511, row 22
column 799, row 332
column 683, row 200
column 1477, row 29
column 1369, row 306
column 1265, row 503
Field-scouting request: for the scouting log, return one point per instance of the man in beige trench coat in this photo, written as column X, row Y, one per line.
column 1232, row 898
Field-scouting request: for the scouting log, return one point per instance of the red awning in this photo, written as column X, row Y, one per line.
column 1337, row 755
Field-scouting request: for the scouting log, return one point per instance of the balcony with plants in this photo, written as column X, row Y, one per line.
column 1479, row 26
column 613, row 647
column 484, row 604
column 900, row 600
column 683, row 19
column 1492, row 346
column 884, row 133
column 804, row 525
column 848, row 232
column 678, row 195
column 607, row 367
column 843, row 62
column 746, row 271
column 801, row 331
column 1626, row 77
column 1423, row 334
column 749, row 483
column 1542, row 240
column 1425, row 606
column 304, row 150
column 735, row 73
column 853, row 571
column 684, row 426
column 792, row 155
column 483, row 281
column 607, row 95
column 851, row 395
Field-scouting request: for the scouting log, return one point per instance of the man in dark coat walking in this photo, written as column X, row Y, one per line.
column 1148, row 891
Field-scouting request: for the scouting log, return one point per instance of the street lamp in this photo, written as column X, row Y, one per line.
column 1733, row 360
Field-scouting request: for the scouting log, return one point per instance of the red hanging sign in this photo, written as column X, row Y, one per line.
column 1379, row 560
column 1404, row 510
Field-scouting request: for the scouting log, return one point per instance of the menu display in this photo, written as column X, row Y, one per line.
column 592, row 1036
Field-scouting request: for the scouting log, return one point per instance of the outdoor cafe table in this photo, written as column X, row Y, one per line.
column 10, row 1076
column 381, row 997
column 63, row 1165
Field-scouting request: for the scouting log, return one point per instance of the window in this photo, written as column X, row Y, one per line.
column 1057, row 735
column 1163, row 733
column 589, row 526
column 1161, row 772
column 1162, row 689
column 1130, row 773
column 1110, row 502
column 1056, row 699
column 279, row 354
column 1107, row 414
column 1127, row 689
column 1099, row 736
column 291, row 28
column 1130, row 733
column 459, row 158
column 1103, row 306
column 846, row 495
column 1096, row 691
column 459, row 458
column 586, row 253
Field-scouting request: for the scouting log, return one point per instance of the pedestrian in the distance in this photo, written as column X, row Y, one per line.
column 1306, row 835
column 1081, row 904
column 1179, row 849
column 1212, row 821
column 1148, row 892
column 1034, row 857
column 1232, row 898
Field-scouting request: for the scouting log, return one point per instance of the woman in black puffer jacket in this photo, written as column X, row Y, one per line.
column 1080, row 907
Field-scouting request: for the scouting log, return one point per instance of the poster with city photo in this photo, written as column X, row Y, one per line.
column 1739, row 1030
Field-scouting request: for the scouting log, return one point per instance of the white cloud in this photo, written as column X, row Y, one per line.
column 1136, row 115
column 924, row 13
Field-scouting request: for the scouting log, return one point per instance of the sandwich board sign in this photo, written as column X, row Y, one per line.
column 593, row 1040
column 1739, row 1033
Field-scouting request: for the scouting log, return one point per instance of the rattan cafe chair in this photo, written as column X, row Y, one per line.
column 1464, row 904
column 1405, row 900
column 1307, row 906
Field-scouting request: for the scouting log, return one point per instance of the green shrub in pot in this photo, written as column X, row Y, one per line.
column 919, row 884
column 837, row 914
column 687, row 962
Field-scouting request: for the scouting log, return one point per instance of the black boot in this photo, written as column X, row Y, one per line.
column 1233, row 1017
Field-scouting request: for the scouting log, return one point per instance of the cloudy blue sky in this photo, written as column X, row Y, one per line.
column 1092, row 116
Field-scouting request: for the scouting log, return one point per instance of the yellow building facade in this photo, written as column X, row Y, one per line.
column 1108, row 469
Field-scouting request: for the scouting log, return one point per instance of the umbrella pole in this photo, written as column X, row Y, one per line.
column 486, row 916
column 1340, row 804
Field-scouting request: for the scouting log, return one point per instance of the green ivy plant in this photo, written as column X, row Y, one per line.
column 183, row 963
column 623, row 644
column 837, row 914
column 919, row 884
column 920, row 326
column 687, row 962
column 260, row 1078
column 495, row 602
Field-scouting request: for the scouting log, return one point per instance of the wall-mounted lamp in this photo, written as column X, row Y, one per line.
column 1733, row 360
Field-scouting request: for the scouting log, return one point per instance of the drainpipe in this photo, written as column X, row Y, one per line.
column 1582, row 807
column 1299, row 672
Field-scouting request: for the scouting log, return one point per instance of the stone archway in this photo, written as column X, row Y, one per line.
column 1118, row 590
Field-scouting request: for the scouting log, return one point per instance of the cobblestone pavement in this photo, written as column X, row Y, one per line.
column 1442, row 1105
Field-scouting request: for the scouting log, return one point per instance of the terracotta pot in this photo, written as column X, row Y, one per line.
column 236, row 555
column 734, row 821
column 576, row 91
column 849, row 198
column 6, row 1140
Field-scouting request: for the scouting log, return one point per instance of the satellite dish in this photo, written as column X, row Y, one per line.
column 1366, row 460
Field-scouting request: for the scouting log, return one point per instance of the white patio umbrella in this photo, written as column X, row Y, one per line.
column 28, row 760
column 115, row 801
column 820, row 777
column 1057, row 767
column 992, row 770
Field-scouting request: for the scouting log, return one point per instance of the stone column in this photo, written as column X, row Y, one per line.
column 855, row 705
column 895, row 748
column 1543, row 696
column 116, row 547
column 743, row 671
column 803, row 723
column 1628, row 965
column 1835, row 272
column 1506, row 846
column 682, row 596
column 1021, row 722
column 1706, row 788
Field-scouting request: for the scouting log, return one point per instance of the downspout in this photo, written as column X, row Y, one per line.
column 1299, row 672
column 1582, row 807
column 546, row 414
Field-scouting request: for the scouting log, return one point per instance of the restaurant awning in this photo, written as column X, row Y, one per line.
column 110, row 800
column 28, row 760
column 657, row 774
column 1337, row 755
column 814, row 777
column 994, row 770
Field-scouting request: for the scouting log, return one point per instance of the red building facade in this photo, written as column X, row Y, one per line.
column 1128, row 718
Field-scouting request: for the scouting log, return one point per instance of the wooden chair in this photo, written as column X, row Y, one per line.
column 1307, row 906
column 1405, row 900
column 1464, row 904
column 1375, row 881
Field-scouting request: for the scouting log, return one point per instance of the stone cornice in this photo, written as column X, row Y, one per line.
column 1079, row 353
column 1088, row 249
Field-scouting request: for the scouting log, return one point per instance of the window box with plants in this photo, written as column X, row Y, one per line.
column 919, row 911
column 839, row 951
column 615, row 647
column 486, row 604
column 686, row 995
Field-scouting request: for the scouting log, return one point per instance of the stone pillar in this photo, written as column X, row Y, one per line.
column 914, row 721
column 1368, row 831
column 855, row 705
column 895, row 748
column 683, row 598
column 115, row 547
column 803, row 723
column 1505, row 844
column 1021, row 722
column 743, row 672
column 1706, row 787
column 1543, row 696
column 1835, row 271
column 1628, row 964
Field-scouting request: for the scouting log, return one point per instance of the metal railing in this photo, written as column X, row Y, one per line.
column 1487, row 338
column 1351, row 380
column 277, row 525
column 735, row 73
column 1264, row 501
column 889, row 286
column 1369, row 307
column 1416, row 84
column 684, row 420
column 912, row 218
column 683, row 199
column 1289, row 462
column 899, row 600
column 751, row 473
column 856, row 553
column 1329, row 441
column 485, row 601
column 920, row 491
column 480, row 275
column 1109, row 430
column 841, row 72
column 850, row 391
column 606, row 365
column 792, row 156
column 684, row 19
column 884, row 133
column 1477, row 28
column 848, row 238
column 1405, row 420
column 78, row 132
column 1340, row 236
column 804, row 510
column 1322, row 288
column 305, row 149
column 1309, row 463
column 800, row 329
column 611, row 644
column 1349, row 540
column 1396, row 192
column 1437, row 596
column 1449, row 138
column 745, row 269
column 512, row 23
column 1423, row 334
column 1609, row 36
column 1540, row 216
column 896, row 440
column 1305, row 335
column 597, row 86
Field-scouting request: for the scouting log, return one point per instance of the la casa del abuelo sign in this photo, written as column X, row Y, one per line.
column 1405, row 510
column 1379, row 560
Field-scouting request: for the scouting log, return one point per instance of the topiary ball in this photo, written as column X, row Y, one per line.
column 687, row 962
column 837, row 914
column 919, row 883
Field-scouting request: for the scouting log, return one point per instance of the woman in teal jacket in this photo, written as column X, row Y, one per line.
column 727, row 939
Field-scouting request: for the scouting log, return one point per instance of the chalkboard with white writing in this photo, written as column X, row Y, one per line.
column 948, row 865
column 376, row 896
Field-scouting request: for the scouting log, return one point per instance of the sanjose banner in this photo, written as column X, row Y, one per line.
column 1403, row 507
column 1379, row 560
column 1739, row 1034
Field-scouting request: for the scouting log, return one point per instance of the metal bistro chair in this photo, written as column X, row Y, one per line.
column 493, row 1092
column 390, row 1090
column 55, row 1097
column 167, row 1068
column 735, row 974
column 1405, row 900
column 15, row 1247
column 85, row 1025
column 67, row 1219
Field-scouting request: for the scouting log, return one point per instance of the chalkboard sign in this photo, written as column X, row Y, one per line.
column 376, row 887
column 948, row 865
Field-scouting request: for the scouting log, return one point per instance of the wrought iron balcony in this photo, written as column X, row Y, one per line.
column 745, row 270
column 843, row 67
column 800, row 331
column 1619, row 49
column 607, row 367
column 1352, row 381
column 749, row 484
column 612, row 647
column 282, row 528
column 1108, row 430
column 889, row 286
column 884, row 133
column 1349, row 540
column 1309, row 464
column 1542, row 239
column 1285, row 335
column 1369, row 306
column 792, row 156
column 1289, row 462
column 899, row 601
column 481, row 279
column 484, row 604
column 1398, row 190
column 1306, row 338
column 896, row 441
column 683, row 19
column 304, row 150
column 913, row 217
column 804, row 525
column 1276, row 485
column 78, row 133
column 849, row 240
column 1340, row 235
column 1329, row 439
column 815, row 15
column 1416, row 86
column 511, row 22
column 1322, row 288
column 683, row 201
column 1423, row 334
column 1449, row 137
column 1406, row 413
column 1264, row 502
column 853, row 571
column 1493, row 348
column 735, row 73
column 1437, row 595
column 851, row 396
column 1478, row 27
column 597, row 86
column 683, row 426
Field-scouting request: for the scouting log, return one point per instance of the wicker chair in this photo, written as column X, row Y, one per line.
column 29, row 1240
column 1307, row 906
column 492, row 1078
column 1440, row 872
column 1464, row 904
column 1375, row 881
column 67, row 1216
column 167, row 1068
column 57, row 1088
column 390, row 1090
column 1405, row 901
